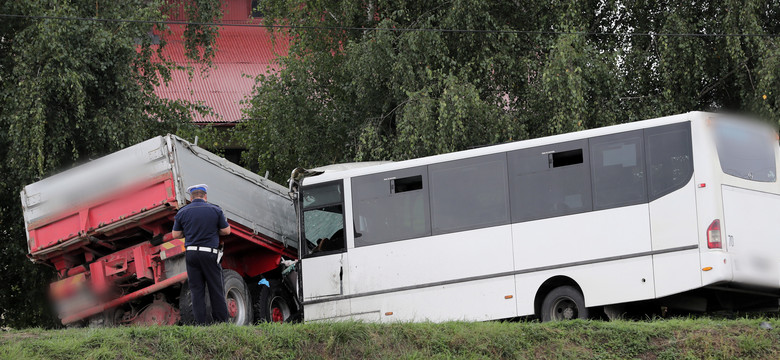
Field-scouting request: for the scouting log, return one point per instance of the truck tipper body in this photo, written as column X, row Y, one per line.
column 105, row 227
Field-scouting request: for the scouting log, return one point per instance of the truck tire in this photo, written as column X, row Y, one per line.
column 185, row 305
column 239, row 301
column 564, row 303
column 236, row 294
column 108, row 318
column 75, row 325
column 273, row 304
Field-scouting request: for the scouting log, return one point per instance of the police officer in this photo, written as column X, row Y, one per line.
column 200, row 224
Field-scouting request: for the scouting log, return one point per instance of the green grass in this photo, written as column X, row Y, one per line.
column 661, row 339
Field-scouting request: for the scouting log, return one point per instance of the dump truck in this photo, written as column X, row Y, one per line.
column 105, row 226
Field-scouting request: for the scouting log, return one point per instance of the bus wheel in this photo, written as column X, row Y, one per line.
column 564, row 303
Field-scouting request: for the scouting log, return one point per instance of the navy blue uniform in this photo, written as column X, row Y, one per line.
column 200, row 222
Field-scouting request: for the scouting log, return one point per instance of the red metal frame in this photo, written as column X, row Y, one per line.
column 245, row 233
column 248, row 253
column 129, row 297
column 142, row 261
column 248, row 260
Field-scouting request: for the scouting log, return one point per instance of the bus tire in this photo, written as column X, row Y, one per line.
column 273, row 304
column 564, row 303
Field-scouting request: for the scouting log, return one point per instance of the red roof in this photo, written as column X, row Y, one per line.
column 240, row 51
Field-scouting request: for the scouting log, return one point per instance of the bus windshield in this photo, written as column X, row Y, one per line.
column 746, row 150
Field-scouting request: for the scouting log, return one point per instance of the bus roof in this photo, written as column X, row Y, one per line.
column 522, row 144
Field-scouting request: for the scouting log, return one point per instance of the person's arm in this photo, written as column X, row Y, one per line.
column 177, row 232
column 224, row 227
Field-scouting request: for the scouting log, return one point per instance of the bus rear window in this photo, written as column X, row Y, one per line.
column 746, row 151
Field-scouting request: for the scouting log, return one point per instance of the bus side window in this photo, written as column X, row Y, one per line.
column 469, row 194
column 548, row 181
column 391, row 206
column 669, row 158
column 618, row 169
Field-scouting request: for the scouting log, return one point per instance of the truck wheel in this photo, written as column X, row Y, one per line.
column 185, row 305
column 273, row 304
column 239, row 303
column 564, row 303
column 236, row 295
column 108, row 318
column 75, row 325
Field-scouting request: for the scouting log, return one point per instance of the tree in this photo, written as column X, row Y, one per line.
column 348, row 92
column 70, row 91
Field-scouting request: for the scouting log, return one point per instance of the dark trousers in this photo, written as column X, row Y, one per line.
column 202, row 271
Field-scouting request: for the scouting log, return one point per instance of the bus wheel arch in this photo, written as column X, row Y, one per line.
column 563, row 290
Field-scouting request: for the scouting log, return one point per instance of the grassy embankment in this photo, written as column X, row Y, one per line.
column 664, row 339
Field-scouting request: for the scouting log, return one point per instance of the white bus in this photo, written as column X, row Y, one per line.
column 682, row 210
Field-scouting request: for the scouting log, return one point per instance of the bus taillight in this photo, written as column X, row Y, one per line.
column 713, row 235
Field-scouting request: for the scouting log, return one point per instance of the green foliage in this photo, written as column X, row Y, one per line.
column 663, row 339
column 199, row 40
column 71, row 91
column 346, row 95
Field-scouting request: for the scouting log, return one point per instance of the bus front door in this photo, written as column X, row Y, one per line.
column 325, row 258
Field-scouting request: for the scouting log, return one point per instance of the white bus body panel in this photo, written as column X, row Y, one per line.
column 337, row 310
column 602, row 283
column 324, row 277
column 751, row 233
column 321, row 276
column 440, row 258
column 673, row 219
column 467, row 301
column 586, row 237
column 676, row 272
column 673, row 225
column 431, row 259
column 708, row 173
